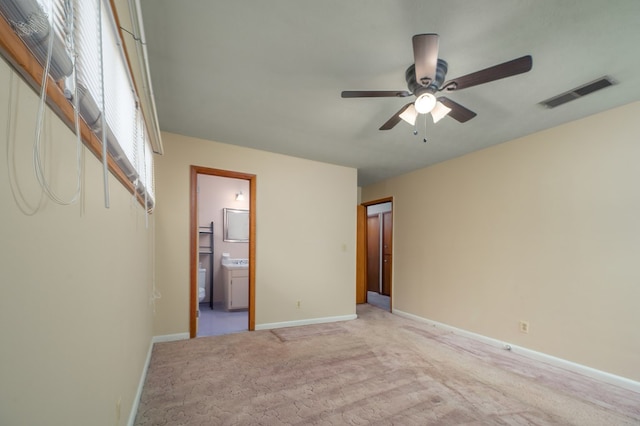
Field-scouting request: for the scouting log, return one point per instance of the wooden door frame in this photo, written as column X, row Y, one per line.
column 193, row 242
column 361, row 287
column 361, row 255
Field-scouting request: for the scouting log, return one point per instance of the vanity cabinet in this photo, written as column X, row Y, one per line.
column 236, row 288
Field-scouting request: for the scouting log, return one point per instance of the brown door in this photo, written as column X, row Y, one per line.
column 361, row 257
column 386, row 253
column 373, row 253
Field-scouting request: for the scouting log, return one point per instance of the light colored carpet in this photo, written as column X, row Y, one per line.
column 379, row 369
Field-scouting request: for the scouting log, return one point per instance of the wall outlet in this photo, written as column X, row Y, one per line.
column 298, row 304
column 524, row 326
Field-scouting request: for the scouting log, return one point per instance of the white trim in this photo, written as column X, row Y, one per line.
column 143, row 377
column 603, row 376
column 170, row 337
column 296, row 323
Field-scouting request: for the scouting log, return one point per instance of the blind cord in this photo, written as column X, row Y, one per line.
column 16, row 193
column 38, row 152
column 155, row 294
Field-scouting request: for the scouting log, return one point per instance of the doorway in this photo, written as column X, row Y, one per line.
column 376, row 253
column 207, row 248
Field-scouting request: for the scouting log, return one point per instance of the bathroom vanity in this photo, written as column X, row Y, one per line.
column 236, row 286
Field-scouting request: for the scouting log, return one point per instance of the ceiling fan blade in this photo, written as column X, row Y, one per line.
column 425, row 57
column 496, row 72
column 395, row 119
column 458, row 112
column 375, row 94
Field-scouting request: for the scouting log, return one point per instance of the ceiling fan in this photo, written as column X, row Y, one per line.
column 427, row 76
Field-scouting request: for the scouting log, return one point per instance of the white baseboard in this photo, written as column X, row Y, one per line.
column 185, row 336
column 170, row 337
column 143, row 376
column 603, row 376
column 272, row 325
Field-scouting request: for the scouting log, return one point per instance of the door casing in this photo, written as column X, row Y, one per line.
column 361, row 252
column 193, row 242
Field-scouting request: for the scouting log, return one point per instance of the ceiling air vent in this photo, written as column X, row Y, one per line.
column 578, row 92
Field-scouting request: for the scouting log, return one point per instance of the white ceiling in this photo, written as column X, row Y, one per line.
column 268, row 74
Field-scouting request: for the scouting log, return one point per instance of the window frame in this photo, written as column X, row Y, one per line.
column 22, row 60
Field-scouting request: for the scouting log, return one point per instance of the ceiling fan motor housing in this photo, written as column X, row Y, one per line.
column 416, row 88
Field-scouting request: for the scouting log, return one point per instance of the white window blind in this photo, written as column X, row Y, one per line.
column 126, row 139
column 120, row 102
column 86, row 30
column 35, row 21
column 88, row 68
column 144, row 158
column 149, row 178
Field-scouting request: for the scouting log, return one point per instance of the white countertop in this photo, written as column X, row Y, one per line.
column 245, row 266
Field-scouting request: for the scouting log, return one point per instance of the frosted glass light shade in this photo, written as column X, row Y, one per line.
column 439, row 111
column 425, row 103
column 409, row 115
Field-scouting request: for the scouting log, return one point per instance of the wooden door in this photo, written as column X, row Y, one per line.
column 373, row 253
column 361, row 257
column 387, row 251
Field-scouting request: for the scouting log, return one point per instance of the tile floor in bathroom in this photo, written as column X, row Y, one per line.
column 218, row 321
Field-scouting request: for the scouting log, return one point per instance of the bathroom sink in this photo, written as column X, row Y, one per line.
column 235, row 263
column 235, row 266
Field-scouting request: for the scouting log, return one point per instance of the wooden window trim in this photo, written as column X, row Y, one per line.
column 24, row 63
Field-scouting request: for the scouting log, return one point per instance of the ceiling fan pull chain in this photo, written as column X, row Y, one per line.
column 425, row 128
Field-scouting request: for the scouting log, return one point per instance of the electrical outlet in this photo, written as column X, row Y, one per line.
column 524, row 326
column 298, row 304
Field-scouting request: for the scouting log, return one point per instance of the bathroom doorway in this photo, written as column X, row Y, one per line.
column 216, row 195
column 375, row 247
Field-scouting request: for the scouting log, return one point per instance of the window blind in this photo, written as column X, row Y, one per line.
column 126, row 142
column 86, row 30
column 35, row 21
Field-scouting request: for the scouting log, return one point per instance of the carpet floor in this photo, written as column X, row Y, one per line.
column 379, row 369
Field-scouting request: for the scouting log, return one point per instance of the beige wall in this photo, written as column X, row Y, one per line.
column 305, row 236
column 544, row 229
column 75, row 318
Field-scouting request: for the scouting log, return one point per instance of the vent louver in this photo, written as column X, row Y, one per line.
column 578, row 92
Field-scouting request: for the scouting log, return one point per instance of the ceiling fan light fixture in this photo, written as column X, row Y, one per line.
column 439, row 111
column 409, row 115
column 425, row 103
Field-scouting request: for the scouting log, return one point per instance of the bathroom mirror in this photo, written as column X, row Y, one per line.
column 236, row 226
